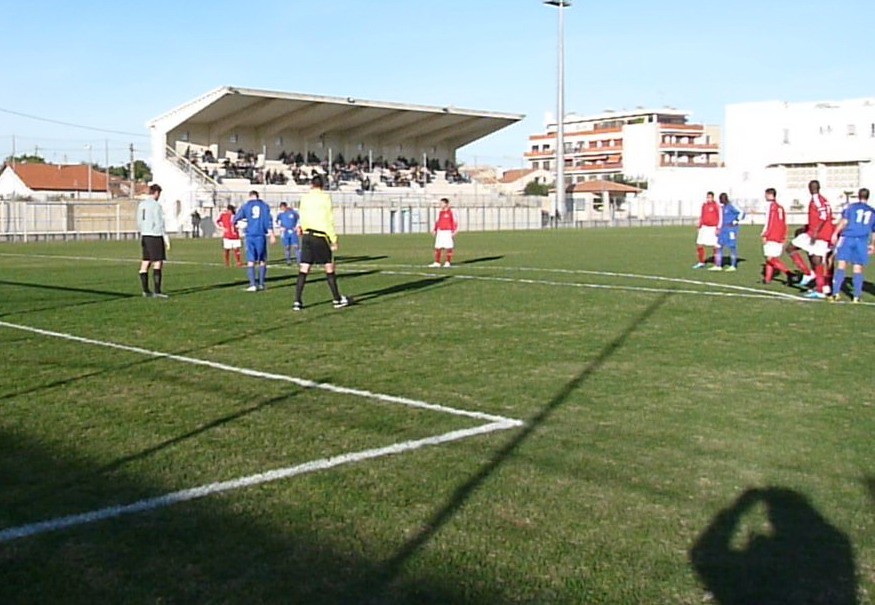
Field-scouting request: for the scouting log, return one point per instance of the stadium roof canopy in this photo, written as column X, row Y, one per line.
column 311, row 116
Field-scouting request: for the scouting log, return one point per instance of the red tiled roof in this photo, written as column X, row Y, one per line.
column 511, row 176
column 600, row 186
column 54, row 177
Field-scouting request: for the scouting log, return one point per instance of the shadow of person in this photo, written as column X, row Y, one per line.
column 802, row 558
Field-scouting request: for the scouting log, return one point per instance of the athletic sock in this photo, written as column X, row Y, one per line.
column 227, row 257
column 770, row 271
column 819, row 279
column 288, row 250
column 299, row 286
column 144, row 281
column 437, row 255
column 797, row 259
column 331, row 278
column 734, row 256
column 700, row 250
column 250, row 272
column 262, row 275
column 237, row 254
column 718, row 257
column 858, row 285
column 838, row 279
column 778, row 264
column 156, row 277
column 450, row 255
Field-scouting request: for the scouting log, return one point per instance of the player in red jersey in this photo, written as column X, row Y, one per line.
column 774, row 234
column 444, row 231
column 710, row 223
column 230, row 235
column 815, row 240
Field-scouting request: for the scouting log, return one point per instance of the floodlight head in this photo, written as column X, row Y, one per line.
column 559, row 3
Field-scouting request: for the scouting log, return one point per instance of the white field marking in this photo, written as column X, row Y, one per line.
column 754, row 292
column 31, row 529
column 301, row 382
column 541, row 282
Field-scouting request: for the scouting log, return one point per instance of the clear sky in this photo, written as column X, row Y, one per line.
column 115, row 65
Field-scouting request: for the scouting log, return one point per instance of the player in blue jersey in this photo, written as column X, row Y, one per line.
column 853, row 241
column 259, row 225
column 287, row 220
column 728, row 236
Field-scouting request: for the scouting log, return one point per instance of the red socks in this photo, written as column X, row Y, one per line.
column 771, row 265
column 227, row 257
column 700, row 250
column 819, row 277
column 450, row 256
column 797, row 259
column 437, row 255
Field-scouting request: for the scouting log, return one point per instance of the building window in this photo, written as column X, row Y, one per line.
column 534, row 148
column 547, row 165
column 184, row 137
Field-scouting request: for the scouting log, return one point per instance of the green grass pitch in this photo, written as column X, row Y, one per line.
column 688, row 436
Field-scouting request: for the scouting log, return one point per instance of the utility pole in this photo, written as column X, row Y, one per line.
column 106, row 159
column 132, row 171
column 13, row 151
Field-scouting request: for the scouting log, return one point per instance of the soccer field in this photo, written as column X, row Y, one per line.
column 563, row 417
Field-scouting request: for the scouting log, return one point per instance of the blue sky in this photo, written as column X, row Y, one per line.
column 115, row 65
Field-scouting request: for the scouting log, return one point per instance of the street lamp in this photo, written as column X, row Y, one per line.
column 88, row 147
column 560, row 109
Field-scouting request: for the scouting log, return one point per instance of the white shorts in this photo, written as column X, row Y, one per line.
column 707, row 236
column 230, row 244
column 443, row 239
column 819, row 248
column 773, row 249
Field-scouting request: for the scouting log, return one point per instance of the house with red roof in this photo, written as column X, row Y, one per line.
column 45, row 182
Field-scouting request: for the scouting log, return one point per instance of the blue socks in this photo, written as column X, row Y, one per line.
column 262, row 275
column 250, row 271
column 858, row 285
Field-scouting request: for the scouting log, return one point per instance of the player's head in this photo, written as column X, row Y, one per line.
column 863, row 195
column 770, row 194
column 155, row 190
column 724, row 198
column 445, row 203
column 253, row 195
column 814, row 187
column 316, row 182
column 231, row 208
column 710, row 196
column 283, row 205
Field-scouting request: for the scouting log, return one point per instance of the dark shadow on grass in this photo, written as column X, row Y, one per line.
column 259, row 545
column 392, row 568
column 77, row 480
column 58, row 288
column 357, row 259
column 803, row 559
column 409, row 287
column 482, row 259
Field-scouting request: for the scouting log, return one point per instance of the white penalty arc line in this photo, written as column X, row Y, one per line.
column 541, row 282
column 149, row 504
column 301, row 382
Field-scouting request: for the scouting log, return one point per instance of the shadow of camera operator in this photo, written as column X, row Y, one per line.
column 800, row 559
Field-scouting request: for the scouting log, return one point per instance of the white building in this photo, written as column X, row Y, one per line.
column 44, row 182
column 677, row 160
column 785, row 145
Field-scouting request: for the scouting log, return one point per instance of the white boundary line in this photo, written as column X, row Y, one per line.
column 755, row 293
column 494, row 423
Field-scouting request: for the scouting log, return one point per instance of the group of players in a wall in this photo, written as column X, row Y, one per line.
column 830, row 246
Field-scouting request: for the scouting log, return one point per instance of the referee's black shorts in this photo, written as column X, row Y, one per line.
column 153, row 248
column 316, row 249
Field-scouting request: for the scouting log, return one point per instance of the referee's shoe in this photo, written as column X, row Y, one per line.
column 342, row 302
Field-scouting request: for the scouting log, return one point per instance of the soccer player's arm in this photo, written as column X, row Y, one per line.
column 838, row 231
column 159, row 218
column 270, row 229
column 455, row 223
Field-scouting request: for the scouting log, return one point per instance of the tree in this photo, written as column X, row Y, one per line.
column 536, row 188
column 25, row 159
column 142, row 172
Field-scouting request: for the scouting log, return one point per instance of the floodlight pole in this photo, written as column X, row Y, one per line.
column 560, row 109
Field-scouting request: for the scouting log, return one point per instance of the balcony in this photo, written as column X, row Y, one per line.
column 671, row 164
column 691, row 146
column 539, row 154
column 596, row 167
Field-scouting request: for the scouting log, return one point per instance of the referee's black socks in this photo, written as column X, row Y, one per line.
column 299, row 286
column 144, row 281
column 332, row 284
column 156, row 277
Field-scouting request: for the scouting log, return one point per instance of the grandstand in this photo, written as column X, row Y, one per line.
column 214, row 149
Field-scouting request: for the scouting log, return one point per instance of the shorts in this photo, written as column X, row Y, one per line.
column 819, row 247
column 773, row 249
column 443, row 239
column 316, row 249
column 290, row 238
column 728, row 237
column 153, row 248
column 256, row 249
column 230, row 244
column 707, row 236
column 854, row 250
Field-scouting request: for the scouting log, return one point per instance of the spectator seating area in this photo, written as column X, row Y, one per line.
column 294, row 169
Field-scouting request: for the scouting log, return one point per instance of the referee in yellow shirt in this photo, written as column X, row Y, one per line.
column 318, row 242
